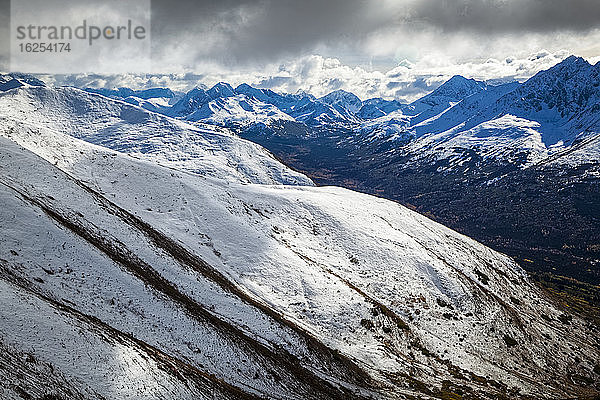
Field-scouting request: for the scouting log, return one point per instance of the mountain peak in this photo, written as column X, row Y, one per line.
column 195, row 92
column 570, row 65
column 340, row 95
column 461, row 81
column 572, row 69
column 573, row 60
column 250, row 91
column 457, row 88
column 221, row 89
column 244, row 87
column 303, row 93
column 340, row 92
column 459, row 78
column 343, row 101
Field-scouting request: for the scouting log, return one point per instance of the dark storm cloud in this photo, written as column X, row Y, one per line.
column 508, row 16
column 264, row 29
column 236, row 33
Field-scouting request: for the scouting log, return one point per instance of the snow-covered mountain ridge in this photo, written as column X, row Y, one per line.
column 514, row 165
column 201, row 277
column 201, row 149
column 529, row 148
column 564, row 101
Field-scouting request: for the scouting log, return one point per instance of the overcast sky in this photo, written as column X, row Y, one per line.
column 394, row 48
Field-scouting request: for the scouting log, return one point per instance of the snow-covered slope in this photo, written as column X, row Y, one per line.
column 393, row 126
column 201, row 149
column 507, row 139
column 447, row 95
column 512, row 124
column 114, row 307
column 344, row 102
column 465, row 110
column 378, row 107
column 238, row 112
column 127, row 279
column 565, row 100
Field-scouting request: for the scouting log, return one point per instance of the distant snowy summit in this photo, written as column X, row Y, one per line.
column 245, row 106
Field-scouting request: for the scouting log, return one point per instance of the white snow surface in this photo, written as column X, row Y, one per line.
column 240, row 111
column 202, row 149
column 508, row 138
column 326, row 259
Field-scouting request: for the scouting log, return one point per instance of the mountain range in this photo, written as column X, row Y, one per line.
column 514, row 165
column 153, row 256
column 546, row 114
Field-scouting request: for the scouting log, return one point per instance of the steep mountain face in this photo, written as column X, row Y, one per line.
column 543, row 116
column 122, row 278
column 443, row 98
column 565, row 100
column 513, row 165
column 378, row 107
column 190, row 102
column 342, row 101
column 464, row 111
column 449, row 153
column 200, row 149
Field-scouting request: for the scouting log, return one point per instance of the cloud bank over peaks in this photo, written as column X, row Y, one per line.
column 320, row 75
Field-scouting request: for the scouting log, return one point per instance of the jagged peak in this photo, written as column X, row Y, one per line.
column 244, row 87
column 221, row 89
column 457, row 80
column 249, row 90
column 571, row 68
column 571, row 63
column 342, row 99
column 340, row 94
column 458, row 87
column 196, row 91
column 574, row 60
column 302, row 92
